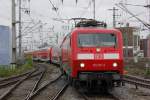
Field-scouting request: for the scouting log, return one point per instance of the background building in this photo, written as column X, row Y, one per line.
column 148, row 46
column 143, row 46
column 5, row 45
column 131, row 41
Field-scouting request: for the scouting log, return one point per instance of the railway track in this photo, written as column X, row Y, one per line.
column 17, row 76
column 36, row 85
column 34, row 93
column 39, row 83
column 137, row 81
column 14, row 79
column 82, row 94
column 89, row 95
column 14, row 82
column 114, row 96
column 60, row 92
column 38, row 72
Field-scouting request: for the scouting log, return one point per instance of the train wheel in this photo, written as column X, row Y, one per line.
column 62, row 71
column 118, row 84
column 110, row 86
column 50, row 62
column 122, row 83
column 69, row 79
column 75, row 83
column 61, row 67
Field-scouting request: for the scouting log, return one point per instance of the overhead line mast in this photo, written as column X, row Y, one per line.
column 13, row 33
column 114, row 16
column 20, row 27
column 93, row 9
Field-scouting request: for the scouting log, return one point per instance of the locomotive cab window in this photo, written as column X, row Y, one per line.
column 96, row 40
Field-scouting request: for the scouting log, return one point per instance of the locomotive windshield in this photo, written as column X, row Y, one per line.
column 96, row 40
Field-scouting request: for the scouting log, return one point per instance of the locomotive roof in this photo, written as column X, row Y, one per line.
column 82, row 29
column 91, row 23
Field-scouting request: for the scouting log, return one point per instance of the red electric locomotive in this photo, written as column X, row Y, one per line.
column 93, row 55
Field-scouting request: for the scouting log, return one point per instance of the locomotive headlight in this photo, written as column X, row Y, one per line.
column 82, row 65
column 115, row 64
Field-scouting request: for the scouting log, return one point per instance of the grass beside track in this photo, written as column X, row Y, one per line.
column 138, row 70
column 138, row 67
column 6, row 71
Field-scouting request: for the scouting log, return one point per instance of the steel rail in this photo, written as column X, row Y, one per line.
column 137, row 79
column 59, row 93
column 137, row 83
column 16, row 76
column 4, row 84
column 13, row 80
column 114, row 96
column 33, row 94
column 85, row 97
column 36, row 84
column 10, row 82
column 5, row 94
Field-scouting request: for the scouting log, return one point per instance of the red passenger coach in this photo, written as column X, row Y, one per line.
column 43, row 54
column 93, row 54
column 35, row 55
column 55, row 55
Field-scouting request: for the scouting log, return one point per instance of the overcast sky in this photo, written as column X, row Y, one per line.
column 42, row 10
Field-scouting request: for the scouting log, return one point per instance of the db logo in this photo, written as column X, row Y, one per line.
column 98, row 50
column 98, row 56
